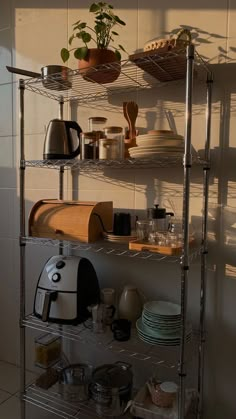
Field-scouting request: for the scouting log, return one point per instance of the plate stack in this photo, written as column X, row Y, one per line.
column 158, row 143
column 114, row 238
column 160, row 323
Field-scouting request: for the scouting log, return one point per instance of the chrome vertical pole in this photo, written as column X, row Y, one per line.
column 22, row 251
column 61, row 171
column 204, row 251
column 187, row 163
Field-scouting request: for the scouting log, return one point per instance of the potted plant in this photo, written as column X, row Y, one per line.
column 103, row 35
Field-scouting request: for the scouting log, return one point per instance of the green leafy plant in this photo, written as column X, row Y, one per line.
column 102, row 34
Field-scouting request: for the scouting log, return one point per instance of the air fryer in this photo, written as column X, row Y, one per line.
column 66, row 287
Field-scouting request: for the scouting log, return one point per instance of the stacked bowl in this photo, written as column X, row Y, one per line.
column 160, row 324
column 156, row 143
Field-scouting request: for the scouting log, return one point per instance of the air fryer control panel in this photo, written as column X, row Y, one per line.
column 60, row 273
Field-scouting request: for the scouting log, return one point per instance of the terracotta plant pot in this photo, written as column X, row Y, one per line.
column 93, row 67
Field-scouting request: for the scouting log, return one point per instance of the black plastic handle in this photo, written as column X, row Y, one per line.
column 48, row 298
column 76, row 127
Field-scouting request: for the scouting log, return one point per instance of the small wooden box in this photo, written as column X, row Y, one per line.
column 70, row 220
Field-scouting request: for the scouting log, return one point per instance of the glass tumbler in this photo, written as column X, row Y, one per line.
column 143, row 229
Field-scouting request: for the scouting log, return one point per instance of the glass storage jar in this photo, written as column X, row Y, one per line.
column 96, row 123
column 47, row 350
column 112, row 146
column 89, row 145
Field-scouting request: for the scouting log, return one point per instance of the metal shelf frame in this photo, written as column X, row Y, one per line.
column 98, row 165
column 162, row 356
column 131, row 78
column 115, row 249
column 52, row 402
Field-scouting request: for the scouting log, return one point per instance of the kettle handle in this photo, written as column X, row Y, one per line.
column 76, row 127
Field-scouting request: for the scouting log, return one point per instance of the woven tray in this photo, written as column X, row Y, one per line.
column 162, row 66
column 164, row 59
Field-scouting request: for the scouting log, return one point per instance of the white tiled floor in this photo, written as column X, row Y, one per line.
column 9, row 400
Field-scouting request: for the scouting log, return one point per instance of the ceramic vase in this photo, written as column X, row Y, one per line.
column 130, row 304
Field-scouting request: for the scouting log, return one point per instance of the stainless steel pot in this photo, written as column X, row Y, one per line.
column 56, row 77
column 73, row 382
column 111, row 388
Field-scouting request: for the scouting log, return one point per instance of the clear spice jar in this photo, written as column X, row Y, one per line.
column 112, row 146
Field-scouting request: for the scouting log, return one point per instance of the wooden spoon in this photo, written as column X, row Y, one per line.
column 132, row 113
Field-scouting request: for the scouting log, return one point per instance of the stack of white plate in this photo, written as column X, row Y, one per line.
column 158, row 142
column 114, row 238
column 160, row 323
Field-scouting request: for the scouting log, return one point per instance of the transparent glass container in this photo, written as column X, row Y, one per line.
column 96, row 123
column 112, row 146
column 47, row 350
column 89, row 145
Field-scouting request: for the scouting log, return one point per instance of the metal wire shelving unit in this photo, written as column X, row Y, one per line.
column 98, row 165
column 50, row 401
column 134, row 74
column 115, row 249
column 163, row 356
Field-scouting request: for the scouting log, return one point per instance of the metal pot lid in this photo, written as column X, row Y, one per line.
column 116, row 375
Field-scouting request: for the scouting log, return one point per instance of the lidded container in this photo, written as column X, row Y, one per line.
column 89, row 145
column 47, row 350
column 96, row 123
column 112, row 146
column 90, row 139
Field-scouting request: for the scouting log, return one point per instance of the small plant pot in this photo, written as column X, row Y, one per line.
column 94, row 67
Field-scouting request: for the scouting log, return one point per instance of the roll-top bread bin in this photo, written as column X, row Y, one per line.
column 70, row 220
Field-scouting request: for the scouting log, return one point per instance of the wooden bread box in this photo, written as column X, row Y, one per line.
column 70, row 220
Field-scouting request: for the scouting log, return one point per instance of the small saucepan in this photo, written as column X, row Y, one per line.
column 56, row 77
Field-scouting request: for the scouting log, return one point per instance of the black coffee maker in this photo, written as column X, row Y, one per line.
column 162, row 217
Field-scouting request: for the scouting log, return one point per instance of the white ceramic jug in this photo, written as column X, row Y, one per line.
column 130, row 304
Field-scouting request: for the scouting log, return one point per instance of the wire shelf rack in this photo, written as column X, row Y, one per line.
column 136, row 74
column 161, row 356
column 163, row 161
column 51, row 401
column 115, row 249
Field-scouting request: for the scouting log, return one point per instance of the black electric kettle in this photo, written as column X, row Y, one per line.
column 58, row 142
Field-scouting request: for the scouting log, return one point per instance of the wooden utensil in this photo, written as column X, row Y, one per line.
column 132, row 113
column 125, row 112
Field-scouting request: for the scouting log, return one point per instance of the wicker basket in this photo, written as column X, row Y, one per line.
column 164, row 59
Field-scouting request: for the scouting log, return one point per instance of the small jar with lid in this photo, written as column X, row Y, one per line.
column 96, row 123
column 89, row 145
column 112, row 146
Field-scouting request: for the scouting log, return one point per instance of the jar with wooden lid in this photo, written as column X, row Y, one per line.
column 96, row 123
column 112, row 146
column 89, row 145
